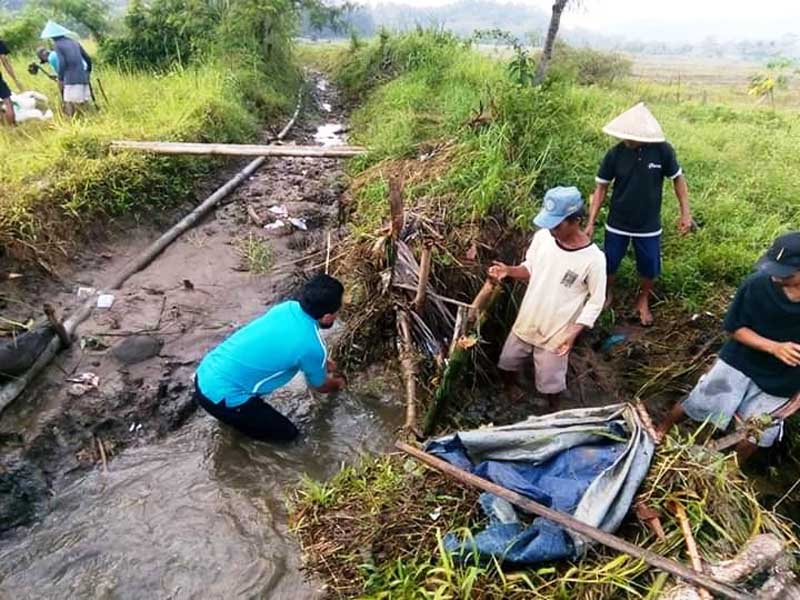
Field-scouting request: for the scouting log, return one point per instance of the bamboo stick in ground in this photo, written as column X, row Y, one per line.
column 691, row 545
column 573, row 524
column 396, row 207
column 57, row 326
column 409, row 370
column 482, row 300
column 424, row 275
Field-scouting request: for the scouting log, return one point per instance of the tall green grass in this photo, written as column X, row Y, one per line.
column 58, row 176
column 741, row 163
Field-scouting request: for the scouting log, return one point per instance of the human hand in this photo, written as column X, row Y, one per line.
column 571, row 335
column 787, row 352
column 498, row 271
column 331, row 366
column 685, row 224
column 339, row 383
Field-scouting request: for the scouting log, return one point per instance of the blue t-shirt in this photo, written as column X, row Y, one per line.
column 264, row 355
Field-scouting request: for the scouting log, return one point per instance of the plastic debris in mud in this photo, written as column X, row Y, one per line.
column 83, row 383
column 85, row 292
column 105, row 300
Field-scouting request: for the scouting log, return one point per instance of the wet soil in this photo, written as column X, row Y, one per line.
column 105, row 457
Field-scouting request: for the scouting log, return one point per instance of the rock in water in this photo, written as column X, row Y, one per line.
column 136, row 349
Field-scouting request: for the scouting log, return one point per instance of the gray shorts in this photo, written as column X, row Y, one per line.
column 550, row 369
column 724, row 392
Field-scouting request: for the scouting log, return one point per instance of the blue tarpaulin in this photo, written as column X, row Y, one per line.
column 585, row 462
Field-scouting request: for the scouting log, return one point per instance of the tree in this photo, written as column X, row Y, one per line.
column 763, row 85
column 550, row 40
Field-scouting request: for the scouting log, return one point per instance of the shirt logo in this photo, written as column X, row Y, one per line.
column 569, row 279
column 654, row 166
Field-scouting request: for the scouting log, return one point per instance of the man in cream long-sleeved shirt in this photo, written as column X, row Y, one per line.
column 565, row 295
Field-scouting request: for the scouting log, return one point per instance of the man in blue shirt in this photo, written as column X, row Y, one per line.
column 233, row 380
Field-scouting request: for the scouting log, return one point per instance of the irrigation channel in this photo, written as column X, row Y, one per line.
column 116, row 487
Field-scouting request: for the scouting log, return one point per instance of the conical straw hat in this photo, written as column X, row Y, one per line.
column 637, row 124
column 54, row 30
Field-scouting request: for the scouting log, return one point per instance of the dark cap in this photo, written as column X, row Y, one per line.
column 783, row 258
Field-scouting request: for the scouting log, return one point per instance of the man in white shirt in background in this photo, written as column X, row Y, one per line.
column 566, row 292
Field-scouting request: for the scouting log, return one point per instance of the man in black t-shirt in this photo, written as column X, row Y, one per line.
column 637, row 166
column 5, row 91
column 758, row 369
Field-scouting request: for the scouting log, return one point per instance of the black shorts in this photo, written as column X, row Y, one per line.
column 5, row 91
column 255, row 418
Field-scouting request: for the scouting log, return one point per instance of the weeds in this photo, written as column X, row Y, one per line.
column 390, row 546
column 256, row 255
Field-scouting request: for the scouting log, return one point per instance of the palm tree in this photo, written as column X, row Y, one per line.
column 550, row 40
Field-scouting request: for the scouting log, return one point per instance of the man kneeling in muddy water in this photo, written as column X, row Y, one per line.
column 234, row 379
column 566, row 292
column 758, row 368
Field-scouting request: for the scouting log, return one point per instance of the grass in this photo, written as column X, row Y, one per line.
column 740, row 162
column 256, row 255
column 59, row 177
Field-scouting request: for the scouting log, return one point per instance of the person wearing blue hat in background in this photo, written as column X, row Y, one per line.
column 566, row 276
column 758, row 369
column 74, row 67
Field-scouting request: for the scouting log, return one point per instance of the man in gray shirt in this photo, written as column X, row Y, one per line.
column 74, row 67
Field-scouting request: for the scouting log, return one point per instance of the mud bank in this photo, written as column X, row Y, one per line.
column 175, row 481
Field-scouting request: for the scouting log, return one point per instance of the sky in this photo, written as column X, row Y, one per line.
column 676, row 20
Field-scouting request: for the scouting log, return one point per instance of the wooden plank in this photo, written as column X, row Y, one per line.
column 239, row 149
column 573, row 524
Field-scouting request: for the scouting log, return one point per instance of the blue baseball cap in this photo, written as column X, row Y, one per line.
column 559, row 203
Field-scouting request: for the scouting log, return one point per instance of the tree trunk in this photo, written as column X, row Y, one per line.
column 549, row 42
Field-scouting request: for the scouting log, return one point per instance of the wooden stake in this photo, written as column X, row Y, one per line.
column 730, row 440
column 459, row 330
column 409, row 370
column 424, row 275
column 691, row 545
column 239, row 149
column 482, row 299
column 251, row 212
column 445, row 299
column 396, row 207
column 573, row 524
column 328, row 255
column 102, row 454
column 57, row 326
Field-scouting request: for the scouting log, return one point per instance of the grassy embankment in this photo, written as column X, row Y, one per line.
column 58, row 178
column 421, row 95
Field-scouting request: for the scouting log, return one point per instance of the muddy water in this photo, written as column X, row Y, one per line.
column 199, row 515
column 188, row 508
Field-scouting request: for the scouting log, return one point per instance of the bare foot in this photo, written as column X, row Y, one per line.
column 643, row 308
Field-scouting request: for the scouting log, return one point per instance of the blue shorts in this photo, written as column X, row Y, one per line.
column 646, row 249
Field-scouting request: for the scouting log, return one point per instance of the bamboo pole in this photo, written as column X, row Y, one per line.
column 424, row 275
column 57, row 326
column 173, row 148
column 573, row 524
column 691, row 545
column 409, row 369
column 13, row 389
column 457, row 360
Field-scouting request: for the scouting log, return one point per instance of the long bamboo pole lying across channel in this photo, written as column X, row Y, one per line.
column 573, row 524
column 239, row 149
